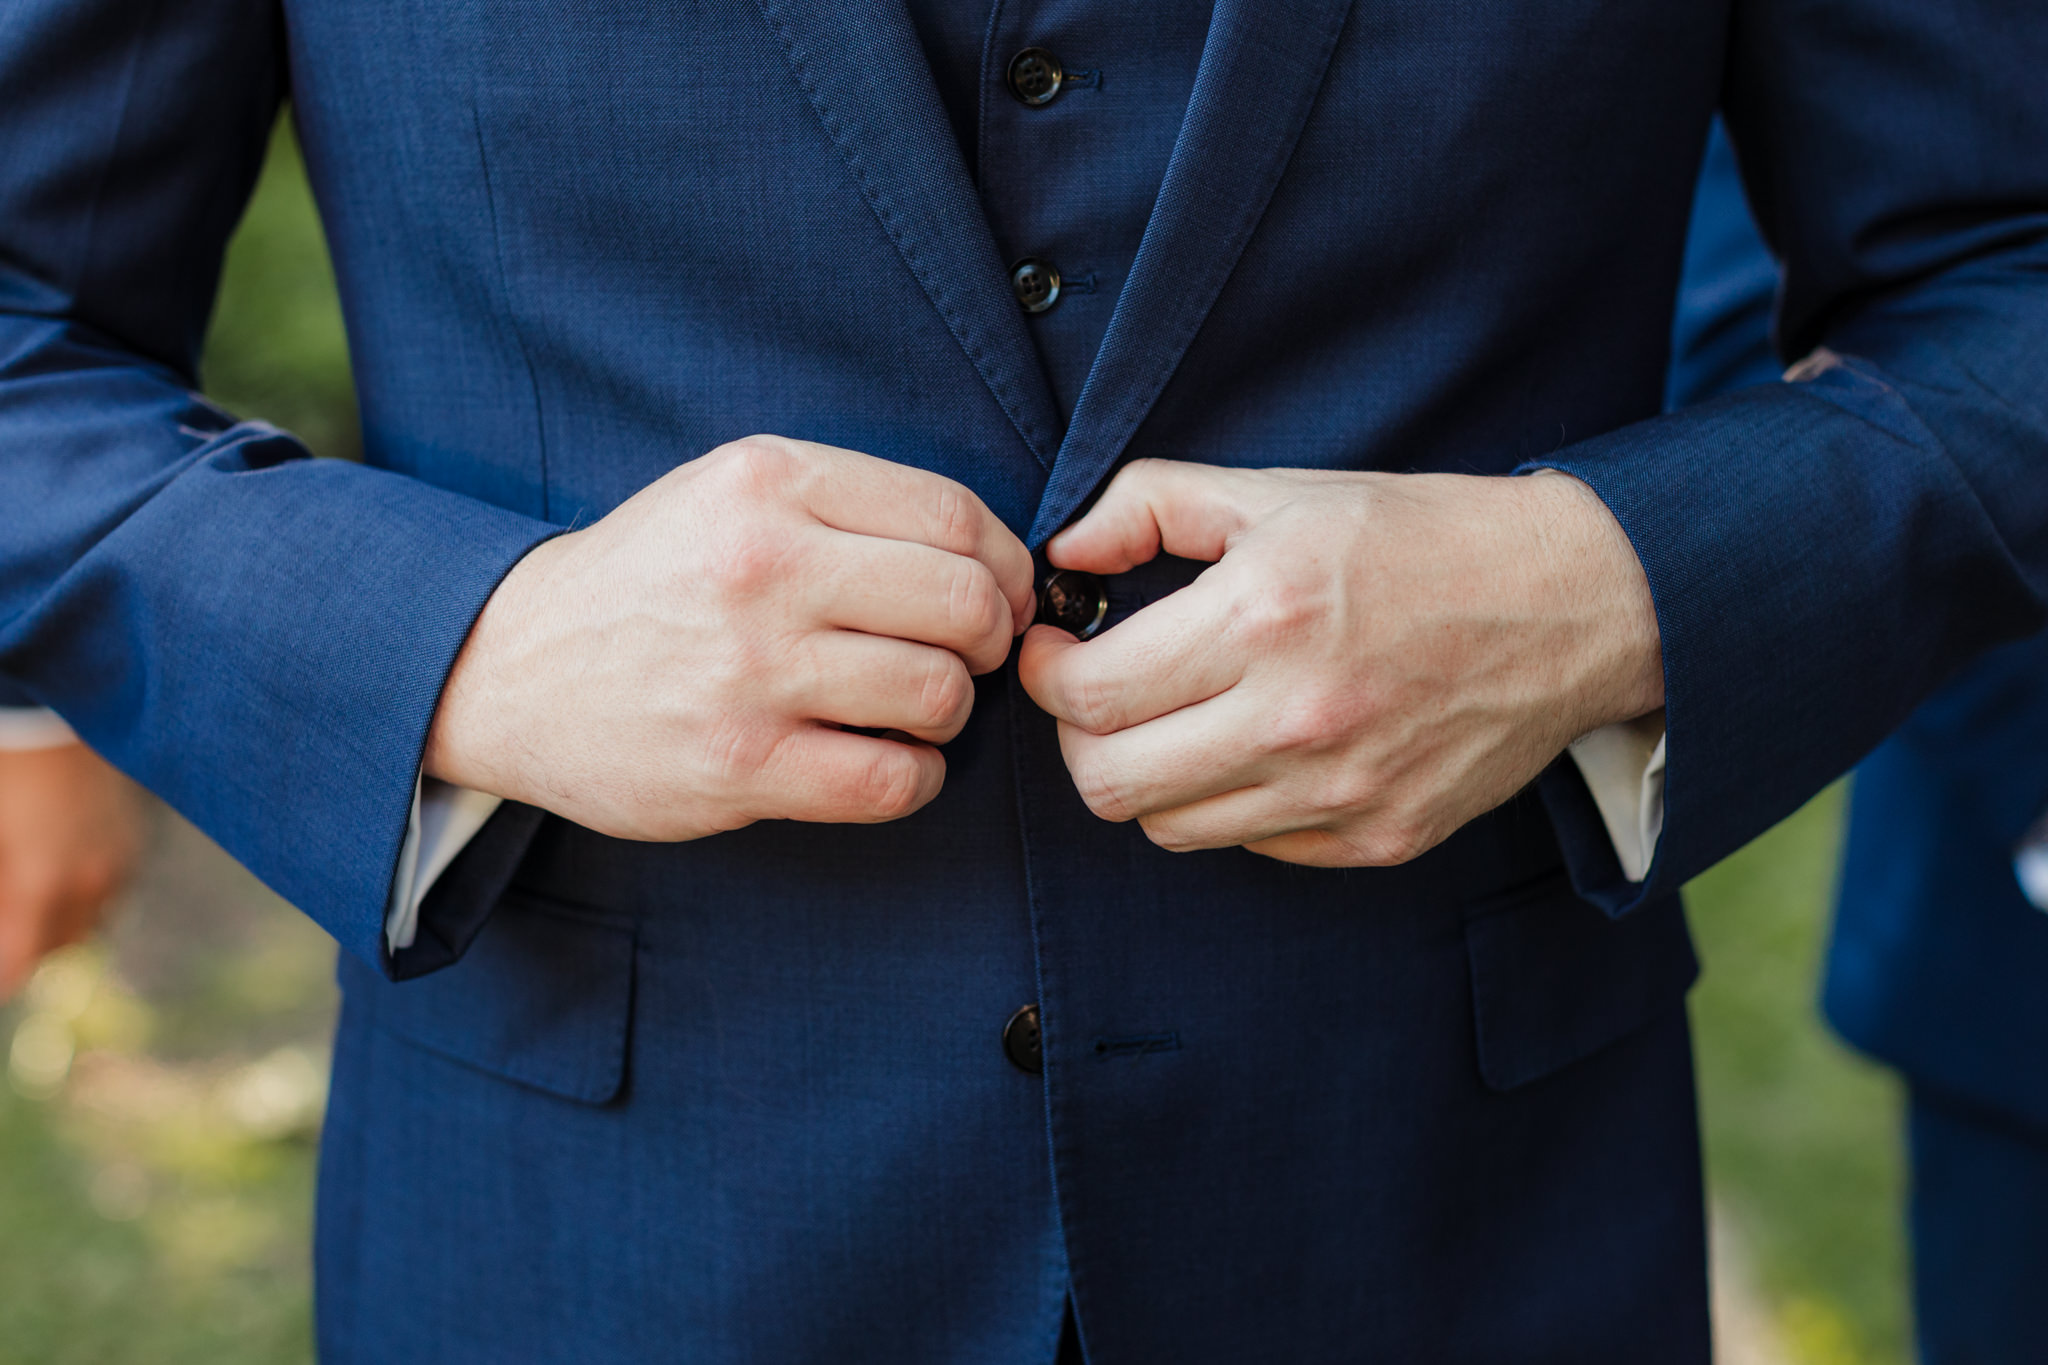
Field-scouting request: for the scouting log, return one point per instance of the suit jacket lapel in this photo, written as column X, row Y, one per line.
column 863, row 69
column 1261, row 68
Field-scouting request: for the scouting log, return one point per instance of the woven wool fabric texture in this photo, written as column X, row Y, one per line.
column 1436, row 1112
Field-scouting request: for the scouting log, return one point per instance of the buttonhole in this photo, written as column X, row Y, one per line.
column 1084, row 284
column 1138, row 1045
column 1091, row 80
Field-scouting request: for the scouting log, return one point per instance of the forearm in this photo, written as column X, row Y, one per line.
column 1596, row 577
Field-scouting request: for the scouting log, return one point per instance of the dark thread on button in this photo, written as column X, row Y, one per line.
column 1140, row 1045
column 1035, row 77
column 1036, row 284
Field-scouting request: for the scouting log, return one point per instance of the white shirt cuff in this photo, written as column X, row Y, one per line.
column 2030, row 864
column 1624, row 769
column 444, row 819
column 32, row 727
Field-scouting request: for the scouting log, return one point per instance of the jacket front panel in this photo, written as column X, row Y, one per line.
column 682, row 253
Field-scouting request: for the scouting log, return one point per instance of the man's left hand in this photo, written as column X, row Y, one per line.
column 70, row 830
column 1371, row 661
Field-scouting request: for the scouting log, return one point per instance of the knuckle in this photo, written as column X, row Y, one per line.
column 1168, row 836
column 738, row 748
column 758, row 465
column 1096, row 704
column 1390, row 845
column 1351, row 791
column 890, row 785
column 955, row 518
column 1314, row 721
column 974, row 605
column 1280, row 612
column 945, row 694
column 1139, row 472
column 1101, row 793
column 752, row 561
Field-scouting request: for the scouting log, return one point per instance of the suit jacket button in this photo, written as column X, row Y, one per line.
column 1036, row 284
column 1035, row 76
column 1076, row 602
column 1020, row 1041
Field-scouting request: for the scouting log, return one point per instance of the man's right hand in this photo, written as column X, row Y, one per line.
column 686, row 665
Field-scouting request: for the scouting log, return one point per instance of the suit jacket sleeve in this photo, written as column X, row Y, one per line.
column 1823, row 553
column 257, row 636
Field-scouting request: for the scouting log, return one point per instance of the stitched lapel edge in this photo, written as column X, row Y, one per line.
column 1261, row 70
column 865, row 74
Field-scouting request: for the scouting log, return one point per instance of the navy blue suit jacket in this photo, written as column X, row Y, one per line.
column 1937, row 960
column 742, row 1099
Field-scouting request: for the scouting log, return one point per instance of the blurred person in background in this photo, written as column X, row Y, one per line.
column 70, row 832
column 1940, row 943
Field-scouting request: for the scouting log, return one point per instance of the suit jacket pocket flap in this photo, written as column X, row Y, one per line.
column 1554, row 979
column 540, row 998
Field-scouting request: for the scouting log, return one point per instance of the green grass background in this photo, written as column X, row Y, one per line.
column 154, row 1205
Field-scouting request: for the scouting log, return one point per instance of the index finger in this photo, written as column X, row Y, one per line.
column 863, row 495
column 1169, row 655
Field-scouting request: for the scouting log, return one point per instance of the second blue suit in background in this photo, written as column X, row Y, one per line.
column 1938, row 963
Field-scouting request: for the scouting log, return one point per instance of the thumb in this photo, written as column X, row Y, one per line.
column 1150, row 507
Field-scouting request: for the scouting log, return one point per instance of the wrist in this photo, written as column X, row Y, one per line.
column 479, row 704
column 454, row 751
column 1599, row 582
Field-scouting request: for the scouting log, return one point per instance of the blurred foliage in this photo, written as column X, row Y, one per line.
column 276, row 349
column 1803, row 1147
column 163, row 1092
column 164, row 1086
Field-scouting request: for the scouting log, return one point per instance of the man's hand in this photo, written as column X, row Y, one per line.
column 1372, row 660
column 689, row 664
column 70, row 831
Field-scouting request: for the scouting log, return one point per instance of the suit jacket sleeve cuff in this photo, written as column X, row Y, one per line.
column 1807, row 545
column 263, row 645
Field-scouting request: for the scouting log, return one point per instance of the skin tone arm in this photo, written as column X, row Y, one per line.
column 70, row 832
column 1371, row 661
column 693, row 662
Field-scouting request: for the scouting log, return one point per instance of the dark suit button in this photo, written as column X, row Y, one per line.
column 1035, row 76
column 1020, row 1041
column 1074, row 601
column 1036, row 284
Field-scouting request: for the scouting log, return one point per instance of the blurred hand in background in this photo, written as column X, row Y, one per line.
column 70, row 833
